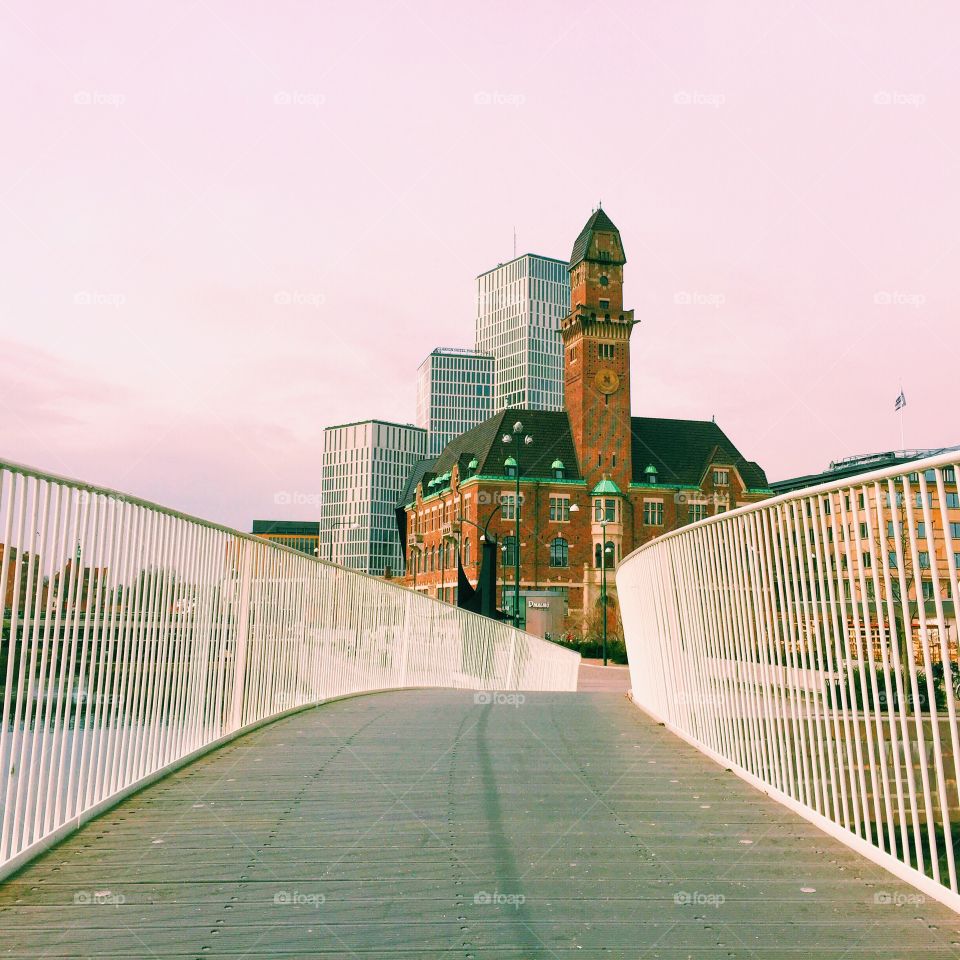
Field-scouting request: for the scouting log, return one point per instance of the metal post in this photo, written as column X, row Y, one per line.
column 240, row 641
column 603, row 585
column 516, row 546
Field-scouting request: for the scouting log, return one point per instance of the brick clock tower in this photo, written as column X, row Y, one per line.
column 596, row 342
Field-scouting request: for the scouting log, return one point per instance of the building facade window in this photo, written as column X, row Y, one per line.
column 508, row 506
column 696, row 511
column 559, row 552
column 721, row 478
column 509, row 551
column 598, row 555
column 653, row 513
column 560, row 509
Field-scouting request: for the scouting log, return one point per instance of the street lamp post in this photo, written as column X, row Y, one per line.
column 516, row 438
column 603, row 585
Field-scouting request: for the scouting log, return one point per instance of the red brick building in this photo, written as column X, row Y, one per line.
column 590, row 475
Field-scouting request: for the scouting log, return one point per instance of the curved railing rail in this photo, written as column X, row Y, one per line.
column 810, row 642
column 134, row 636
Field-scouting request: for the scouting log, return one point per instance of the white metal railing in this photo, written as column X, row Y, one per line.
column 810, row 643
column 134, row 636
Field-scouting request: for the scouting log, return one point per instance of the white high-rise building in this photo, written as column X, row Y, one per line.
column 519, row 308
column 365, row 467
column 454, row 393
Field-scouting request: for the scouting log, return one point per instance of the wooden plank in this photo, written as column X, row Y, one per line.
column 422, row 824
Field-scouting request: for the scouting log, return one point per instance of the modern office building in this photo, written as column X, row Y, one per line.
column 519, row 308
column 365, row 468
column 454, row 393
column 297, row 534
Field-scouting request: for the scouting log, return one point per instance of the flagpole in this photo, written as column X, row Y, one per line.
column 902, row 405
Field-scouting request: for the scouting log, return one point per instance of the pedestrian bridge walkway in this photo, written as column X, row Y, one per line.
column 425, row 824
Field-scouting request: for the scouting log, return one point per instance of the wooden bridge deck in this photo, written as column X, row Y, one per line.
column 426, row 825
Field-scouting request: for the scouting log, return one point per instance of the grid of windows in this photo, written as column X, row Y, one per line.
column 454, row 393
column 519, row 308
column 365, row 468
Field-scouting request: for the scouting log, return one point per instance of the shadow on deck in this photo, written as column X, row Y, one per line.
column 425, row 825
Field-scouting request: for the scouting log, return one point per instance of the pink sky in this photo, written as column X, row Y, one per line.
column 168, row 169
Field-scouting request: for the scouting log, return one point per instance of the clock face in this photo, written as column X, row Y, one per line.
column 606, row 380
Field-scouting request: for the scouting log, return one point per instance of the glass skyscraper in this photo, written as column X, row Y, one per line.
column 365, row 468
column 519, row 308
column 454, row 393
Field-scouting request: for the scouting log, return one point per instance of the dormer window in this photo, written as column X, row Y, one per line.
column 650, row 474
column 510, row 467
column 559, row 470
column 721, row 478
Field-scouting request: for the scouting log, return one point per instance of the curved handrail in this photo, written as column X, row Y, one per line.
column 809, row 642
column 134, row 636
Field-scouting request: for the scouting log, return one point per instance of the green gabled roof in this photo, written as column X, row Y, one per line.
column 682, row 450
column 552, row 440
column 606, row 486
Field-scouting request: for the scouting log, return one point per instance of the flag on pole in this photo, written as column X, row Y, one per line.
column 901, row 401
